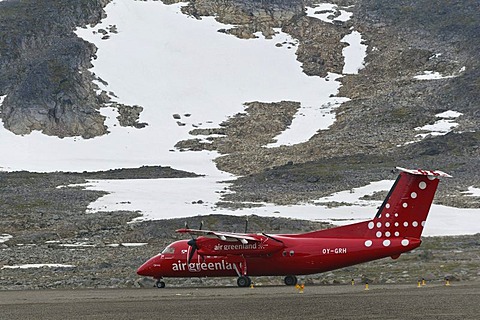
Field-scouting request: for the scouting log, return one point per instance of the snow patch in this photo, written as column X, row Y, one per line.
column 354, row 53
column 134, row 244
column 127, row 244
column 444, row 125
column 472, row 192
column 5, row 237
column 328, row 12
column 76, row 245
column 354, row 195
column 308, row 121
column 38, row 265
column 434, row 75
column 158, row 198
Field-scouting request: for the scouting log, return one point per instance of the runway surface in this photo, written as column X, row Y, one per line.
column 459, row 301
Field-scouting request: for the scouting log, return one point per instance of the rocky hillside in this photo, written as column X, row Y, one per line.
column 373, row 130
column 44, row 74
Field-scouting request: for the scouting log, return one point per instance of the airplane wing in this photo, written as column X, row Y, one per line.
column 225, row 236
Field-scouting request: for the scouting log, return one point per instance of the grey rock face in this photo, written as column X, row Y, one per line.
column 54, row 96
column 43, row 68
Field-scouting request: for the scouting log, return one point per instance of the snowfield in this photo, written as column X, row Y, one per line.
column 170, row 64
column 156, row 201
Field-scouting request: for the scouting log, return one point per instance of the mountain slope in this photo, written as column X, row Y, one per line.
column 48, row 87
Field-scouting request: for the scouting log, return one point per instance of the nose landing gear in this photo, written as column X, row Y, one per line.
column 160, row 284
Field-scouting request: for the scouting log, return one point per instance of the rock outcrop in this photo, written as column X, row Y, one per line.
column 44, row 68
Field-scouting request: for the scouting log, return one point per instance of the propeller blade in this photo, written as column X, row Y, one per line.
column 193, row 247
column 246, row 224
column 192, row 243
column 201, row 225
column 190, row 256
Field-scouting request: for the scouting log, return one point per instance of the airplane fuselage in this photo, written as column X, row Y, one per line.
column 300, row 256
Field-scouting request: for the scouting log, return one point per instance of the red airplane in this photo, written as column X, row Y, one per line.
column 395, row 229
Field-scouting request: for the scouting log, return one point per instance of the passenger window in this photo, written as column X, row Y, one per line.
column 292, row 253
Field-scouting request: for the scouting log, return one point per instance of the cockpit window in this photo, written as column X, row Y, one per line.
column 168, row 250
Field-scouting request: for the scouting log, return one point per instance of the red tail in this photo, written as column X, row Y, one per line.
column 404, row 211
column 402, row 214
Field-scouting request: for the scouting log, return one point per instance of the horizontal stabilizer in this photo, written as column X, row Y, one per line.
column 436, row 173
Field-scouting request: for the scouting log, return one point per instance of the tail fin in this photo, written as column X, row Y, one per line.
column 405, row 209
column 402, row 214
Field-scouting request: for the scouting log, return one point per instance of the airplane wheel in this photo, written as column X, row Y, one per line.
column 290, row 280
column 244, row 281
column 160, row 284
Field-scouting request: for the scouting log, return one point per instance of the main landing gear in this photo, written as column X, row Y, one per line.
column 241, row 269
column 244, row 281
column 290, row 280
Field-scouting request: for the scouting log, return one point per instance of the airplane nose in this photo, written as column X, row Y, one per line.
column 146, row 269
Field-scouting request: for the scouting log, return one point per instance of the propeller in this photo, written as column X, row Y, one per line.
column 192, row 243
column 246, row 224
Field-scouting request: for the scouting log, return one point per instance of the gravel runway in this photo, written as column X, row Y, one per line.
column 459, row 301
